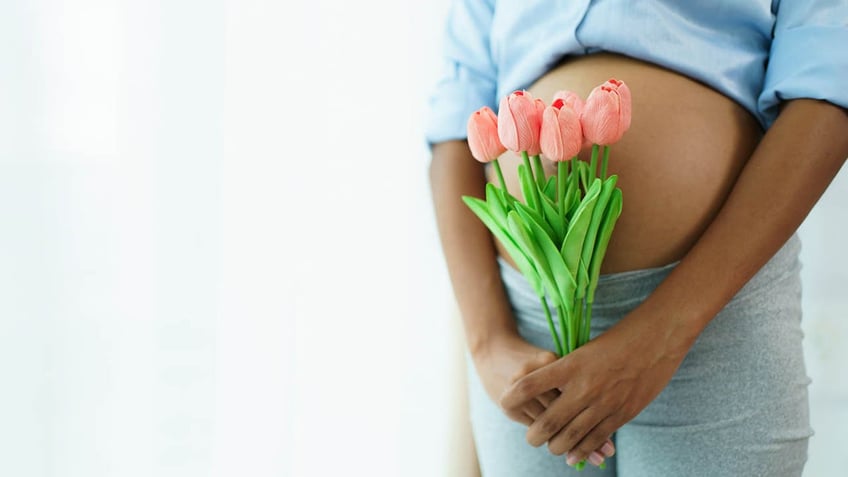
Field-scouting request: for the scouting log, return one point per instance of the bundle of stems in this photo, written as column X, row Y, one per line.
column 557, row 236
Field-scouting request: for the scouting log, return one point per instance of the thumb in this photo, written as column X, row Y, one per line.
column 544, row 358
column 539, row 359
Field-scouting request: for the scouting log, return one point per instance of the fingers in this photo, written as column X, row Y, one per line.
column 539, row 360
column 555, row 418
column 520, row 416
column 534, row 409
column 567, row 437
column 547, row 398
column 544, row 358
column 608, row 449
column 597, row 438
column 542, row 380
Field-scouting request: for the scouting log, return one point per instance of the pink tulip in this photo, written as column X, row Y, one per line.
column 483, row 135
column 606, row 114
column 562, row 135
column 570, row 99
column 520, row 121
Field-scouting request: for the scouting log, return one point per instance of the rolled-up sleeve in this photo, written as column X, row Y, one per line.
column 809, row 54
column 469, row 78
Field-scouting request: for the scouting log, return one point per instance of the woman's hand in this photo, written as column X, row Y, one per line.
column 508, row 359
column 503, row 362
column 603, row 385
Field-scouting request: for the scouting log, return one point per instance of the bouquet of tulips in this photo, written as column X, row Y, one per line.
column 559, row 234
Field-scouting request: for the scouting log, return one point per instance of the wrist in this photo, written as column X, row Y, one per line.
column 669, row 332
column 483, row 345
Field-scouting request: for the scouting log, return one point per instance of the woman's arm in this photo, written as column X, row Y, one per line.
column 468, row 247
column 789, row 171
column 500, row 355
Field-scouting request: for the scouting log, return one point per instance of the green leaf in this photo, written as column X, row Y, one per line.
column 537, row 217
column 522, row 261
column 563, row 282
column 577, row 189
column 525, row 240
column 607, row 226
column 582, row 279
column 572, row 246
column 589, row 244
column 496, row 204
column 528, row 186
column 507, row 199
column 584, row 175
column 552, row 217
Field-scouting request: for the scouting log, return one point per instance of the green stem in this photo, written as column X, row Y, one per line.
column 574, row 183
column 552, row 327
column 566, row 338
column 498, row 171
column 587, row 330
column 562, row 176
column 575, row 322
column 580, row 325
column 604, row 163
column 540, row 171
column 526, row 159
column 593, row 165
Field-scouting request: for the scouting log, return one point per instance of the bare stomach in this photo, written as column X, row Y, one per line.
column 676, row 164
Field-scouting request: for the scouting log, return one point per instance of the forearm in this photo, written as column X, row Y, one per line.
column 789, row 171
column 468, row 246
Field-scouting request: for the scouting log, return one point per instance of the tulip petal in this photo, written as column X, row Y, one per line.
column 570, row 99
column 519, row 121
column 607, row 113
column 483, row 135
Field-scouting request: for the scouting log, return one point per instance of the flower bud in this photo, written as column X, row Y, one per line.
column 483, row 135
column 520, row 121
column 606, row 114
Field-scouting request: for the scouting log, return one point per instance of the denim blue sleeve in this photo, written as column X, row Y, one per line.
column 809, row 54
column 469, row 79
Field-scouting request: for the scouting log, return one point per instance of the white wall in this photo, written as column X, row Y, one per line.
column 217, row 254
column 825, row 303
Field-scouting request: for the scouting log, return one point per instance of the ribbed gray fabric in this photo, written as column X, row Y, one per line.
column 738, row 405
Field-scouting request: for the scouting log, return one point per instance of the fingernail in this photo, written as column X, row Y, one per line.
column 596, row 458
column 608, row 449
column 571, row 459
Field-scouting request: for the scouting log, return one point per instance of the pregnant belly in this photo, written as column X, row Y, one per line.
column 676, row 164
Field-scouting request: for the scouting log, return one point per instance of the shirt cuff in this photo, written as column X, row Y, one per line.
column 806, row 62
column 455, row 98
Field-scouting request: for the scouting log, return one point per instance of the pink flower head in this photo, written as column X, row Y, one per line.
column 570, row 99
column 483, row 135
column 606, row 115
column 561, row 137
column 520, row 121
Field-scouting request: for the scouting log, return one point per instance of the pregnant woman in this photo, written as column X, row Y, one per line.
column 739, row 125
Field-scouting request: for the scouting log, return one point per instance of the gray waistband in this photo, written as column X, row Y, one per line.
column 624, row 289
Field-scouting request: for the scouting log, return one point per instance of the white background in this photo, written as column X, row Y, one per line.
column 217, row 253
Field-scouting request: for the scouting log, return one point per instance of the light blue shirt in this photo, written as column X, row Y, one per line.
column 757, row 52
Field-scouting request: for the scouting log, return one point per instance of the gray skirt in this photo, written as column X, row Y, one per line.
column 737, row 405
